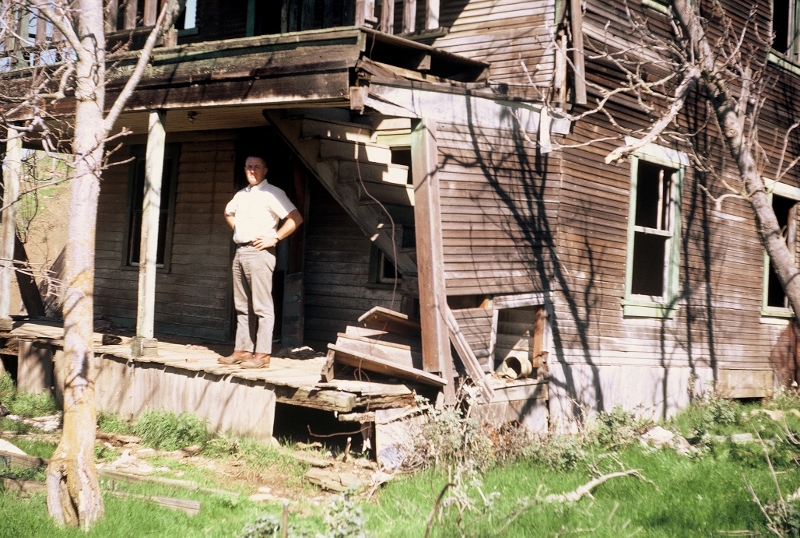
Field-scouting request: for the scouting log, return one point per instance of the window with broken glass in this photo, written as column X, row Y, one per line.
column 784, row 203
column 654, row 228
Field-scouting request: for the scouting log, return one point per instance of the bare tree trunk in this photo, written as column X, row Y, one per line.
column 733, row 128
column 73, row 490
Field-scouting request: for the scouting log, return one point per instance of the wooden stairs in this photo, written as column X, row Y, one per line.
column 389, row 343
column 356, row 167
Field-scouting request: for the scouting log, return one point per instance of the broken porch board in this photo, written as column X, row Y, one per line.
column 374, row 364
column 474, row 368
column 390, row 351
column 391, row 321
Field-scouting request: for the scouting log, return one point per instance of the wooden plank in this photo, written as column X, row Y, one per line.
column 12, row 173
column 409, row 16
column 373, row 364
column 130, row 14
column 576, row 20
column 150, row 12
column 388, row 320
column 187, row 506
column 389, row 351
column 430, row 256
column 387, row 17
column 468, row 358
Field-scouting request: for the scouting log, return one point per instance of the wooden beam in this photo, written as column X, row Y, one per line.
column 363, row 361
column 151, row 211
column 430, row 256
column 468, row 357
column 11, row 182
column 130, row 14
column 111, row 15
column 409, row 16
column 387, row 16
column 150, row 12
column 576, row 20
column 432, row 15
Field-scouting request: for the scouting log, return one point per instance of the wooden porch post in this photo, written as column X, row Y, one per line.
column 430, row 258
column 11, row 180
column 144, row 343
column 432, row 15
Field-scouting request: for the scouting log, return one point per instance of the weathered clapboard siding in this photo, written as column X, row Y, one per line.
column 505, row 33
column 192, row 298
column 336, row 272
column 718, row 322
column 495, row 211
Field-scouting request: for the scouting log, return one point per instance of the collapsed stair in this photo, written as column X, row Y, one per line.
column 354, row 161
column 389, row 343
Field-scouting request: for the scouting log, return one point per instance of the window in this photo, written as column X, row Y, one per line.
column 187, row 20
column 136, row 198
column 654, row 230
column 784, row 27
column 382, row 270
column 784, row 203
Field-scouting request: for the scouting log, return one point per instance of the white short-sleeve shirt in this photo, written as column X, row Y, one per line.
column 257, row 211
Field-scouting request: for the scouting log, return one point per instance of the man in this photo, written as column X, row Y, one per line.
column 255, row 214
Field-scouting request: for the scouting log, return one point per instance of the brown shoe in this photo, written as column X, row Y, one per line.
column 235, row 358
column 259, row 360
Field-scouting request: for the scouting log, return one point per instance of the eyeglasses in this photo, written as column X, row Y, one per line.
column 256, row 167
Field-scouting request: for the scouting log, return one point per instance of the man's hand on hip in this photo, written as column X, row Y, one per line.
column 263, row 243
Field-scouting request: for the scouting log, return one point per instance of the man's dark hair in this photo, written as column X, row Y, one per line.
column 257, row 156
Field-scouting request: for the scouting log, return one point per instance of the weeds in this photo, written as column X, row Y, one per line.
column 167, row 431
column 25, row 404
column 113, row 423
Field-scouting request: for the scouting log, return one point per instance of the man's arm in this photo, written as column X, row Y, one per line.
column 292, row 221
column 231, row 220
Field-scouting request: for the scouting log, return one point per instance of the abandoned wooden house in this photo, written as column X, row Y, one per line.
column 456, row 222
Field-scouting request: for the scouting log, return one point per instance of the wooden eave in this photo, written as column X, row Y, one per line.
column 309, row 68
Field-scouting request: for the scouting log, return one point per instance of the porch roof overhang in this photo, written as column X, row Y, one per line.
column 300, row 69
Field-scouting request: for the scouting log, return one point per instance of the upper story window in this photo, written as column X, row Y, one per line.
column 784, row 27
column 654, row 232
column 785, row 204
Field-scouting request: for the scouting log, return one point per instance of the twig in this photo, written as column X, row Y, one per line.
column 586, row 489
column 436, row 507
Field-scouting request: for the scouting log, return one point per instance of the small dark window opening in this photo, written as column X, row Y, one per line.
column 402, row 156
column 382, row 269
column 136, row 197
column 785, row 212
column 782, row 25
column 653, row 229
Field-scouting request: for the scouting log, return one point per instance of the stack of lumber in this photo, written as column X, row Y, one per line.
column 388, row 343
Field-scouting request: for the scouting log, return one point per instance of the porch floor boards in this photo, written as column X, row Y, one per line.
column 296, row 381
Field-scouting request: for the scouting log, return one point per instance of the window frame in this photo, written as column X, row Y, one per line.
column 646, row 306
column 791, row 193
column 137, row 153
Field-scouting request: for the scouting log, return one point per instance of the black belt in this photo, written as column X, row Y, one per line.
column 250, row 244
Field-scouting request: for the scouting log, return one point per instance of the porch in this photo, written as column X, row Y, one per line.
column 185, row 378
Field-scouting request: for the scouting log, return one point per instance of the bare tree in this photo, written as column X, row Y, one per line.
column 75, row 71
column 702, row 55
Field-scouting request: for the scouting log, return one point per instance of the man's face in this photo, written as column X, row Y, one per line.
column 255, row 170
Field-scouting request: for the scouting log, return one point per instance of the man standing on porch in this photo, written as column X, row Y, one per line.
column 255, row 214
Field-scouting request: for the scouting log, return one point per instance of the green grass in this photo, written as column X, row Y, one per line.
column 25, row 404
column 687, row 497
column 167, row 431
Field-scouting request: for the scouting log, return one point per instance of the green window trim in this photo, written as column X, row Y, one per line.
column 790, row 193
column 172, row 154
column 665, row 306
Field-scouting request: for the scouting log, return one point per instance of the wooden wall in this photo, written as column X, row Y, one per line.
column 337, row 271
column 503, row 32
column 601, row 355
column 192, row 298
column 498, row 212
